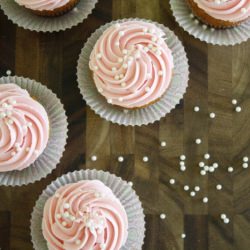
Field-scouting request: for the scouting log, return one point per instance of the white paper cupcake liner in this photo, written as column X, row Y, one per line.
column 52, row 154
column 26, row 19
column 122, row 190
column 197, row 29
column 142, row 116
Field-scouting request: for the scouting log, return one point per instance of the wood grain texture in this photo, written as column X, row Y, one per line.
column 217, row 75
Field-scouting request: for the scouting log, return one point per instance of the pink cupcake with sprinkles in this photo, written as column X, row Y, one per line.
column 132, row 65
column 24, row 128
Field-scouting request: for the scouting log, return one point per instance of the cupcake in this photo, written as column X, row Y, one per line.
column 221, row 13
column 48, row 7
column 84, row 215
column 88, row 209
column 24, row 128
column 132, row 65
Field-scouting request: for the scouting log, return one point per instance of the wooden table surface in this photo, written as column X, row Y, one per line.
column 218, row 74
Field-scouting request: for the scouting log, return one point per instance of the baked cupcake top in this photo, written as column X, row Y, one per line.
column 24, row 128
column 84, row 215
column 131, row 63
column 41, row 5
column 226, row 10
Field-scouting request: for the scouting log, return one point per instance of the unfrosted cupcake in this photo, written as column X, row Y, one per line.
column 132, row 65
column 84, row 215
column 24, row 128
column 48, row 7
column 221, row 13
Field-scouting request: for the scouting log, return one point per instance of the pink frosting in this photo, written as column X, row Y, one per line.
column 226, row 10
column 42, row 4
column 84, row 215
column 24, row 128
column 131, row 63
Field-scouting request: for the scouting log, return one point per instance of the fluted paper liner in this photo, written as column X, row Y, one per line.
column 134, row 117
column 197, row 29
column 122, row 190
column 52, row 154
column 26, row 19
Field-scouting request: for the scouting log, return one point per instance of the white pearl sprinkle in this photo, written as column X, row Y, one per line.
column 198, row 141
column 215, row 165
column 145, row 159
column 211, row 169
column 99, row 56
column 163, row 216
column 29, row 124
column 27, row 149
column 66, row 214
column 206, row 156
column 245, row 159
column 204, row 26
column 5, row 105
column 93, row 158
column 182, row 163
column 123, row 84
column 96, row 68
column 245, row 165
column 191, row 15
column 121, row 76
column 238, row 109
column 160, row 73
column 145, row 30
column 78, row 242
column 192, row 193
column 8, row 72
column 124, row 52
column 109, row 101
column 2, row 115
column 163, row 144
column 196, row 109
column 223, row 216
column 172, row 181
column 66, row 205
column 186, row 187
column 226, row 220
column 130, row 183
column 234, row 102
column 212, row 115
column 218, row 186
column 183, row 168
column 183, row 157
column 147, row 89
column 120, row 60
column 125, row 65
column 120, row 159
column 12, row 102
column 197, row 188
column 203, row 172
column 121, row 33
column 243, row 10
column 64, row 223
column 100, row 90
column 205, row 200
column 206, row 168
column 114, row 69
column 201, row 164
column 117, row 44
column 230, row 169
column 196, row 21
column 183, row 236
column 117, row 77
column 10, row 122
column 58, row 216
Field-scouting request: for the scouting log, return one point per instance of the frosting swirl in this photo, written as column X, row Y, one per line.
column 226, row 10
column 41, row 5
column 24, row 128
column 84, row 215
column 131, row 63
